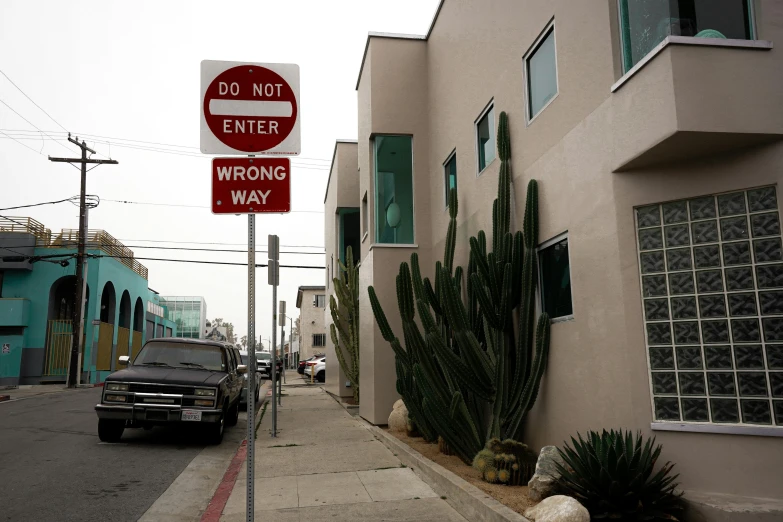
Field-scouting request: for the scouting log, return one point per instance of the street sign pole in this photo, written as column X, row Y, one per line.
column 273, row 250
column 282, row 350
column 251, row 352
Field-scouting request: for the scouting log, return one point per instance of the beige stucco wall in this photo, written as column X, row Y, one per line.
column 597, row 375
column 312, row 322
column 342, row 191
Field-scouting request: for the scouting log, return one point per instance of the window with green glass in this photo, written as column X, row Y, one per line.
column 541, row 73
column 450, row 175
column 555, row 278
column 646, row 23
column 394, row 189
column 485, row 134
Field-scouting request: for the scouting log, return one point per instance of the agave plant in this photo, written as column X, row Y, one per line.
column 612, row 475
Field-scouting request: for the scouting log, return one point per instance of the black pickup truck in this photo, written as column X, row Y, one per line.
column 173, row 380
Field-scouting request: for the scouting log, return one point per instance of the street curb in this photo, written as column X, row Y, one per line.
column 4, row 398
column 223, row 492
column 467, row 499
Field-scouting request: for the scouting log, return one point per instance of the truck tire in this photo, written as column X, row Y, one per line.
column 233, row 414
column 215, row 431
column 110, row 430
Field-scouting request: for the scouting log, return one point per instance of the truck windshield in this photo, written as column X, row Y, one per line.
column 181, row 355
column 263, row 356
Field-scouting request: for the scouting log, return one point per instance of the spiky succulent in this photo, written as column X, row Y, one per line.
column 491, row 474
column 612, row 474
column 483, row 459
column 504, row 476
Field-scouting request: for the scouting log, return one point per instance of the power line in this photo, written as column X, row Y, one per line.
column 148, row 247
column 191, row 206
column 132, row 144
column 39, row 204
column 258, row 265
column 33, row 124
column 22, row 144
column 211, row 243
column 32, row 101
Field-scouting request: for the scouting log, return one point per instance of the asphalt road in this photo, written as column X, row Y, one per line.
column 54, row 468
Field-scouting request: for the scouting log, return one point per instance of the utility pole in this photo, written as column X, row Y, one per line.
column 78, row 305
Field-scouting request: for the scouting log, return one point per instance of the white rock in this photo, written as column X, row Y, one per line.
column 398, row 404
column 398, row 420
column 558, row 508
column 544, row 482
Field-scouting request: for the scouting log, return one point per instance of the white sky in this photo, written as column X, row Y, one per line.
column 131, row 70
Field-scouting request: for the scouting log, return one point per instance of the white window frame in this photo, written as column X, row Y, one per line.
column 488, row 107
column 543, row 246
column 530, row 118
column 451, row 156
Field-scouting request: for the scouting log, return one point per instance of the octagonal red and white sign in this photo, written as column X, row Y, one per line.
column 249, row 108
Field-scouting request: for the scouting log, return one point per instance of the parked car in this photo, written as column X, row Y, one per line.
column 303, row 364
column 317, row 367
column 264, row 361
column 243, row 397
column 172, row 381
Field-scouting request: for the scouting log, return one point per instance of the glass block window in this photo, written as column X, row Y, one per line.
column 712, row 298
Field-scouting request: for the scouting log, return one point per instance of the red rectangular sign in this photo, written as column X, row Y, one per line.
column 251, row 185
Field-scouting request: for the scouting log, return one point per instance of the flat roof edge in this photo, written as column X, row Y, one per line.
column 331, row 165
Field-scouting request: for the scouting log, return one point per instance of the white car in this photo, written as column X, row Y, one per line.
column 317, row 366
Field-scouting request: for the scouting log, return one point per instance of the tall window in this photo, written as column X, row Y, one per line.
column 646, row 23
column 555, row 278
column 450, row 175
column 319, row 301
column 485, row 137
column 394, row 189
column 319, row 339
column 712, row 295
column 541, row 73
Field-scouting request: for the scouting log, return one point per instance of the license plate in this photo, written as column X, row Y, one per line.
column 191, row 415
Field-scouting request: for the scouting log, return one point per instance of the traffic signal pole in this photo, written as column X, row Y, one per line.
column 78, row 303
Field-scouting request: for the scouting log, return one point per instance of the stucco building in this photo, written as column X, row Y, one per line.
column 654, row 131
column 311, row 301
column 37, row 287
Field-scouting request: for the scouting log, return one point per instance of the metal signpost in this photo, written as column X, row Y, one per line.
column 249, row 109
column 282, row 350
column 273, row 251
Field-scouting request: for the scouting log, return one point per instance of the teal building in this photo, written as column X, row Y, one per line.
column 37, row 287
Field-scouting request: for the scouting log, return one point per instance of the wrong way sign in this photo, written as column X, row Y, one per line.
column 250, row 108
column 251, row 185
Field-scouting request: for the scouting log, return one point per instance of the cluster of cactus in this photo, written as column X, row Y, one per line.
column 505, row 462
column 345, row 320
column 473, row 374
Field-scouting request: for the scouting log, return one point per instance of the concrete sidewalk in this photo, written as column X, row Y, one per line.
column 16, row 393
column 325, row 465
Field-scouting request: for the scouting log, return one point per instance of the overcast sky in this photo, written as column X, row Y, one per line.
column 130, row 71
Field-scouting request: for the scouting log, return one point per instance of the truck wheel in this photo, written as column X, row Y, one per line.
column 215, row 431
column 233, row 414
column 110, row 430
column 320, row 376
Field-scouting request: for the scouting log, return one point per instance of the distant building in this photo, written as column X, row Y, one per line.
column 190, row 314
column 311, row 301
column 37, row 299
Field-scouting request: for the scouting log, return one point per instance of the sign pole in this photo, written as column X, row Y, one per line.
column 251, row 351
column 282, row 352
column 273, row 251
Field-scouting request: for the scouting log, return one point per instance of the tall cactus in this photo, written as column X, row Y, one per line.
column 345, row 320
column 473, row 373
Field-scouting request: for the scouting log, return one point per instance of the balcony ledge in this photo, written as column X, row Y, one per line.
column 692, row 98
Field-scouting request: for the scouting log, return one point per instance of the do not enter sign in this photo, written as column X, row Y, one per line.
column 249, row 108
column 251, row 185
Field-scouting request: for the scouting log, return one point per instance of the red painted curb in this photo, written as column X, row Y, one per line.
column 99, row 385
column 5, row 398
column 219, row 499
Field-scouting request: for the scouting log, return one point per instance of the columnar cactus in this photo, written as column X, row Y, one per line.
column 473, row 375
column 345, row 320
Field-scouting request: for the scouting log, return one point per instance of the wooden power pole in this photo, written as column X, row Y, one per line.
column 78, row 306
